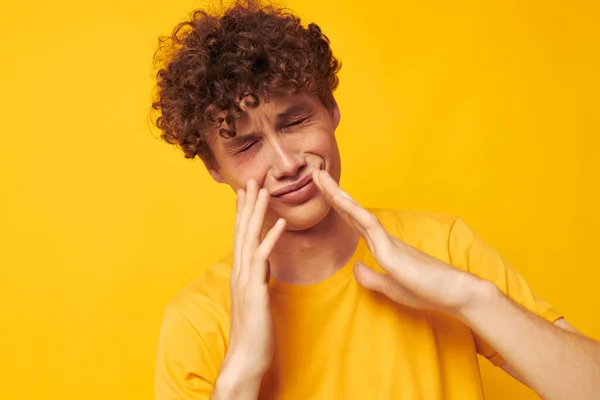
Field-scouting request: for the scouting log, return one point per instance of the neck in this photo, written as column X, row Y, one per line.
column 310, row 256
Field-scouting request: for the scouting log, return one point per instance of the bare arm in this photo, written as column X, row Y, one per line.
column 235, row 384
column 553, row 359
column 510, row 370
column 555, row 362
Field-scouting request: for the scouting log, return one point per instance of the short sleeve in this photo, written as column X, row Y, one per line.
column 471, row 253
column 185, row 366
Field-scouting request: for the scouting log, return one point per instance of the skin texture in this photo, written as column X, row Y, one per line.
column 316, row 241
column 283, row 151
column 278, row 144
column 554, row 360
column 217, row 67
column 251, row 322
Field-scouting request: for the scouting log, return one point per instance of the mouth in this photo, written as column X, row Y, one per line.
column 293, row 187
column 297, row 192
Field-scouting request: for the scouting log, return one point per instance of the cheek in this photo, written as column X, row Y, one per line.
column 321, row 143
column 325, row 146
column 240, row 172
column 331, row 156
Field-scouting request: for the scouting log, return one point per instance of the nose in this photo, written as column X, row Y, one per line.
column 287, row 161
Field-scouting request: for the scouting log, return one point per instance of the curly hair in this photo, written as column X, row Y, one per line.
column 215, row 60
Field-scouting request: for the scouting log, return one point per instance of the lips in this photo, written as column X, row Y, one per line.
column 294, row 186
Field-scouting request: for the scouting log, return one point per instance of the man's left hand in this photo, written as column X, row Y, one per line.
column 413, row 278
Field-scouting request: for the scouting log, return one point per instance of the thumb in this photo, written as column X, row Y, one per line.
column 386, row 285
column 370, row 279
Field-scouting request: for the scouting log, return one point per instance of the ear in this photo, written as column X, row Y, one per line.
column 214, row 172
column 334, row 113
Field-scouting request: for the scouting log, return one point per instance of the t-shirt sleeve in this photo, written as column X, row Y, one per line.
column 186, row 367
column 471, row 253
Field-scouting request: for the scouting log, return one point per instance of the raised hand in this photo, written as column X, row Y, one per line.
column 251, row 343
column 413, row 278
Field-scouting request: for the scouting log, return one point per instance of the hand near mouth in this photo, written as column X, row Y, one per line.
column 413, row 278
column 251, row 344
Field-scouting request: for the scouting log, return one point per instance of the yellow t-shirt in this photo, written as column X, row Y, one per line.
column 338, row 340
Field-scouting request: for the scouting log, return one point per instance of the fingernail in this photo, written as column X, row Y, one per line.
column 316, row 176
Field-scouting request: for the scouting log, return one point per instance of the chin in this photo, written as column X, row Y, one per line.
column 304, row 216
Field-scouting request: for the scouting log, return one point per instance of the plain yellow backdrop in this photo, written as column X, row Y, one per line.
column 487, row 110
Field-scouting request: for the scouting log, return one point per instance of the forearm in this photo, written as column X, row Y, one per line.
column 555, row 363
column 232, row 383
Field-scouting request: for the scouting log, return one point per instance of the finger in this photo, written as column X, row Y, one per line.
column 245, row 214
column 385, row 284
column 258, row 217
column 253, row 231
column 316, row 178
column 239, row 202
column 350, row 221
column 259, row 271
column 366, row 223
column 248, row 207
column 237, row 243
column 369, row 278
column 329, row 189
column 328, row 184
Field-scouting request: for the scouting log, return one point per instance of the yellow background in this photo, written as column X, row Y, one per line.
column 487, row 110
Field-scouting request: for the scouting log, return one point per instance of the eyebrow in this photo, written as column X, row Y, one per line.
column 292, row 111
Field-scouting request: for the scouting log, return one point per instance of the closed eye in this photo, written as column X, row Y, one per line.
column 297, row 122
column 247, row 147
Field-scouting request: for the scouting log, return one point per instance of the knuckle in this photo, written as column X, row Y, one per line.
column 388, row 286
column 372, row 222
column 245, row 250
column 259, row 255
column 382, row 250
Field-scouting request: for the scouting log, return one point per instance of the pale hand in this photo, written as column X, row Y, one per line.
column 413, row 278
column 251, row 340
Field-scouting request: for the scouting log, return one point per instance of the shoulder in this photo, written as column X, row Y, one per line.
column 205, row 302
column 417, row 227
column 194, row 333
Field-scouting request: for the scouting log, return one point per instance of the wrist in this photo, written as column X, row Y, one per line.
column 482, row 297
column 236, row 382
column 241, row 367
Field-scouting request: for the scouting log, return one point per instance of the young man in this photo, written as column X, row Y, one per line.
column 322, row 299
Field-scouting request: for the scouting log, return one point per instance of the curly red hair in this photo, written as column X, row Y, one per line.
column 246, row 52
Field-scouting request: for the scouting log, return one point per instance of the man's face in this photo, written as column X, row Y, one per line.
column 279, row 144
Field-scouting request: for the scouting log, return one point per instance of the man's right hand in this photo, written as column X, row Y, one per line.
column 251, row 339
